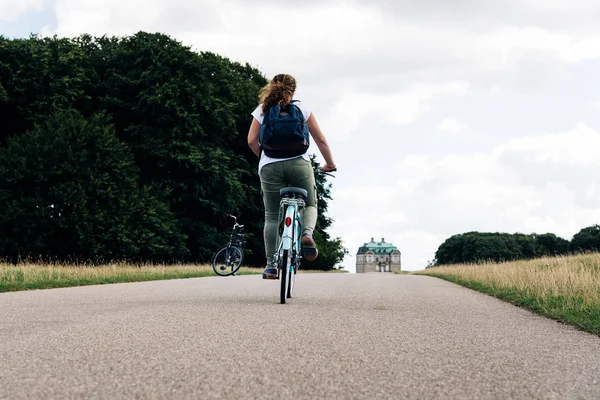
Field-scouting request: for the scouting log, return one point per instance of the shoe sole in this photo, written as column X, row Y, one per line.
column 309, row 249
column 267, row 275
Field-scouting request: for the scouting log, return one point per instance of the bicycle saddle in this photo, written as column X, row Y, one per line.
column 293, row 190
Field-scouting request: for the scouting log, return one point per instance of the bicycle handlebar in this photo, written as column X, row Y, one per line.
column 235, row 221
column 328, row 173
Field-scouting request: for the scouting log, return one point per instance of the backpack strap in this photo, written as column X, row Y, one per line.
column 300, row 114
column 271, row 113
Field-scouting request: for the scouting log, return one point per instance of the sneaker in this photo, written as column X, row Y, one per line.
column 309, row 247
column 270, row 272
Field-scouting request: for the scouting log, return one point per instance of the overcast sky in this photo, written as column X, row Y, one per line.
column 444, row 116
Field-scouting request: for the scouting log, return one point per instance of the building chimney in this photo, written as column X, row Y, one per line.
column 372, row 240
column 382, row 240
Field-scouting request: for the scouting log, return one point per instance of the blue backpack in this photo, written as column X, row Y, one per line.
column 284, row 133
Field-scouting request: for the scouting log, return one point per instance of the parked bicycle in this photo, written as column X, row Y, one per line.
column 228, row 259
column 289, row 249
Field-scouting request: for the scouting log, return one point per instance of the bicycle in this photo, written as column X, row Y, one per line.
column 228, row 258
column 289, row 253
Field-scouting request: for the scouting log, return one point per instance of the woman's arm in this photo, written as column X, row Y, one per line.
column 253, row 135
column 321, row 142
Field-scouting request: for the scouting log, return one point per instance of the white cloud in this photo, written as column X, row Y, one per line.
column 567, row 47
column 11, row 10
column 451, row 126
column 515, row 187
column 357, row 48
column 400, row 108
column 579, row 146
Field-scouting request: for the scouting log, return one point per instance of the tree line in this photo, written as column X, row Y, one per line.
column 130, row 148
column 473, row 247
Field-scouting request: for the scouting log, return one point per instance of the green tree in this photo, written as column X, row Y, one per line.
column 527, row 244
column 68, row 190
column 473, row 247
column 185, row 116
column 38, row 76
column 485, row 246
column 587, row 239
column 548, row 244
column 450, row 251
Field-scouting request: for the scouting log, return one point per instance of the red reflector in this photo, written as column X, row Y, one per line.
column 288, row 221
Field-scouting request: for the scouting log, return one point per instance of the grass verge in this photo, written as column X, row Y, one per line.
column 564, row 288
column 29, row 276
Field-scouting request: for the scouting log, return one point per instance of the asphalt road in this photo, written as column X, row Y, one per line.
column 343, row 336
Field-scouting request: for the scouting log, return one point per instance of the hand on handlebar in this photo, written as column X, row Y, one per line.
column 329, row 168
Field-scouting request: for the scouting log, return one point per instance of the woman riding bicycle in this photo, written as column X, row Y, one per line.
column 278, row 169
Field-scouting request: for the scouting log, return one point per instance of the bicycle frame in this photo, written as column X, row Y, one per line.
column 290, row 237
column 237, row 237
column 289, row 253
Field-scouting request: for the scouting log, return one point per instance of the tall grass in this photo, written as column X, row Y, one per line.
column 565, row 288
column 43, row 276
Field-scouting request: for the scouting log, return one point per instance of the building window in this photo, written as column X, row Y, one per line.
column 395, row 258
column 370, row 258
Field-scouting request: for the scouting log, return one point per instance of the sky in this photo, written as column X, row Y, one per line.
column 444, row 116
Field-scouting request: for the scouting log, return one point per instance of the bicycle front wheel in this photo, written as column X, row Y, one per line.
column 227, row 260
column 284, row 267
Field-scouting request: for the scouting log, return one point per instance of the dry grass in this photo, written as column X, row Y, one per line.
column 42, row 276
column 566, row 288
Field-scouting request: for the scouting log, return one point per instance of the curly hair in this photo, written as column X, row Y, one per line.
column 279, row 91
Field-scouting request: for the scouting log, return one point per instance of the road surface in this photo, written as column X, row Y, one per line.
column 344, row 336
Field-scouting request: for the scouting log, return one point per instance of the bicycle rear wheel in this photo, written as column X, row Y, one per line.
column 291, row 280
column 227, row 260
column 284, row 267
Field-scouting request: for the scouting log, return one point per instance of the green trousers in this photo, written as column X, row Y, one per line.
column 297, row 172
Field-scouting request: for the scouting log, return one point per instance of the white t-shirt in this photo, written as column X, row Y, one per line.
column 264, row 160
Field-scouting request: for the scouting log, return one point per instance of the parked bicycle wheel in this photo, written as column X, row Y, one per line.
column 227, row 260
column 284, row 266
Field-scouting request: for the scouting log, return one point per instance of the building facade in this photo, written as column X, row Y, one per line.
column 378, row 257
